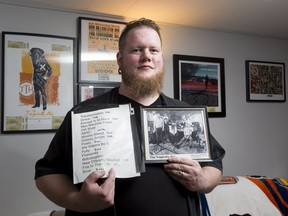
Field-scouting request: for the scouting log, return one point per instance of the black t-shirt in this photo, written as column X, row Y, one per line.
column 154, row 193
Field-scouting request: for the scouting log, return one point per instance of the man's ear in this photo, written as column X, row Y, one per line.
column 119, row 58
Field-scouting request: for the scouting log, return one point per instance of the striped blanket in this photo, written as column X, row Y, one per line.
column 276, row 190
column 247, row 195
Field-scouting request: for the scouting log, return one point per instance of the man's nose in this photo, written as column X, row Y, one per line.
column 146, row 55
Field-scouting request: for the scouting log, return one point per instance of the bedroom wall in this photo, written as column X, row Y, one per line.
column 253, row 134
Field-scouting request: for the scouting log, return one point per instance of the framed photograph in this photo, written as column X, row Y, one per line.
column 37, row 81
column 169, row 131
column 200, row 81
column 98, row 46
column 265, row 81
column 90, row 90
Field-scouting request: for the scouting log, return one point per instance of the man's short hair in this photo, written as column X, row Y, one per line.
column 135, row 24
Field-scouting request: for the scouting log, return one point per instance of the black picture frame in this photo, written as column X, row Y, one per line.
column 200, row 81
column 175, row 131
column 265, row 81
column 90, row 90
column 98, row 46
column 25, row 58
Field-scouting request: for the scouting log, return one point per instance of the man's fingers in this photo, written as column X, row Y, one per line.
column 111, row 173
column 182, row 160
column 110, row 179
column 108, row 185
column 94, row 176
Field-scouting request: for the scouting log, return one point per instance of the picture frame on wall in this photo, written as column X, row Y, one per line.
column 98, row 46
column 174, row 131
column 200, row 81
column 265, row 81
column 90, row 90
column 37, row 81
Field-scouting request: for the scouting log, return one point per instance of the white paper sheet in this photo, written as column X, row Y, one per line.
column 102, row 139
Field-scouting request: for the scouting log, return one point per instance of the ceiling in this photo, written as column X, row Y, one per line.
column 265, row 18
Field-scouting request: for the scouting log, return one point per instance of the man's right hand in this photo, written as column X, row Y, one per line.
column 95, row 197
column 92, row 197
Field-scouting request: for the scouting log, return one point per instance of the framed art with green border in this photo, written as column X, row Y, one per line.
column 38, row 81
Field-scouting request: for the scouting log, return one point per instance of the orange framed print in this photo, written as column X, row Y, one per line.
column 98, row 46
column 37, row 81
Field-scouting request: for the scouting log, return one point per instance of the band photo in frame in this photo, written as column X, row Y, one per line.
column 171, row 131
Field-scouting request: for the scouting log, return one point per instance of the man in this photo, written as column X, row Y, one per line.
column 166, row 190
column 186, row 139
column 166, row 135
column 173, row 133
column 158, row 128
column 42, row 71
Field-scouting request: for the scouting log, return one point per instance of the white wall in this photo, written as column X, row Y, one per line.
column 253, row 134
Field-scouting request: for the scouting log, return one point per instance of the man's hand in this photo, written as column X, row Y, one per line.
column 191, row 175
column 94, row 196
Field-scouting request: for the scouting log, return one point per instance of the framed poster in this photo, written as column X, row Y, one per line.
column 37, row 81
column 98, row 46
column 265, row 81
column 90, row 90
column 200, row 81
column 169, row 131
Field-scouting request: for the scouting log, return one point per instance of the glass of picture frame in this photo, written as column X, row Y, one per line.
column 172, row 131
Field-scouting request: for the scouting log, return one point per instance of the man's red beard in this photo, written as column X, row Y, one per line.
column 140, row 87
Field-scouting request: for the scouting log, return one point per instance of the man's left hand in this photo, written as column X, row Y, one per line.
column 191, row 175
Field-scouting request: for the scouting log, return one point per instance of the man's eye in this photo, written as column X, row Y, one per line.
column 137, row 50
column 154, row 50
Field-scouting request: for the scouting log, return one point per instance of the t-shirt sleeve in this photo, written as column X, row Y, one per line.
column 217, row 153
column 58, row 157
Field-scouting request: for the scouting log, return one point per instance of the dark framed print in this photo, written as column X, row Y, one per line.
column 265, row 81
column 90, row 90
column 200, row 81
column 171, row 131
column 98, row 46
column 37, row 83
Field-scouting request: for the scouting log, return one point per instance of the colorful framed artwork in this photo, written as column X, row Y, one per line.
column 200, row 81
column 98, row 46
column 37, row 82
column 265, row 81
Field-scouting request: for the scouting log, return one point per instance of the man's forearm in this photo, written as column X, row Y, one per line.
column 212, row 178
column 59, row 189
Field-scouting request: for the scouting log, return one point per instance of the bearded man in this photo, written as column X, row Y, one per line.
column 163, row 189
